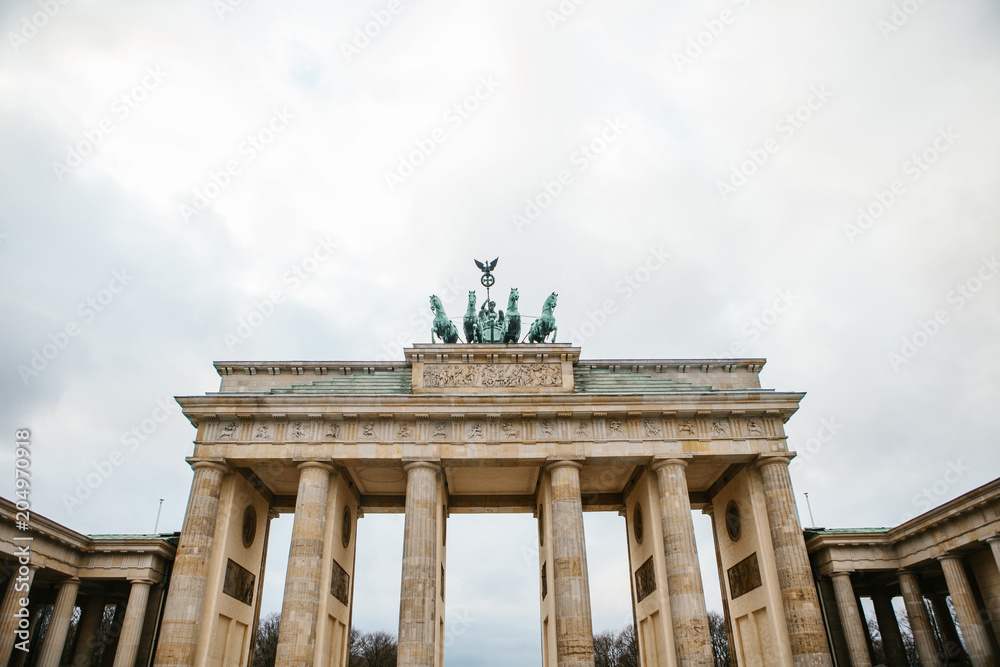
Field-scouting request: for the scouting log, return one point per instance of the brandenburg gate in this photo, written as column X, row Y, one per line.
column 486, row 428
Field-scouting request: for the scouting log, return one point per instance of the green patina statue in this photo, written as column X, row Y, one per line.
column 490, row 325
column 545, row 324
column 442, row 327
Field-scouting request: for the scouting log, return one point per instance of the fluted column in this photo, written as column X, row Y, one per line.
column 62, row 614
column 888, row 627
column 418, row 589
column 189, row 580
column 86, row 633
column 977, row 642
column 570, row 581
column 135, row 613
column 994, row 543
column 850, row 618
column 11, row 605
column 688, row 614
column 803, row 616
column 951, row 643
column 300, row 606
column 920, row 622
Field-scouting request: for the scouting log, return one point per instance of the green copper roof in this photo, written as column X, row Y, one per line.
column 813, row 532
column 379, row 382
column 604, row 381
column 172, row 538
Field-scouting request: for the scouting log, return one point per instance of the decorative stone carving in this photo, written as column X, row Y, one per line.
column 637, row 527
column 652, row 428
column 744, row 576
column 754, row 426
column 720, row 427
column 263, row 431
column 581, row 430
column 645, row 580
column 547, row 427
column 734, row 524
column 340, row 583
column 492, row 375
column 249, row 531
column 333, row 430
column 368, row 429
column 475, row 431
column 511, row 430
column 345, row 529
column 297, row 431
column 239, row 582
column 685, row 427
column 545, row 582
column 616, row 427
column 227, row 430
column 404, row 430
column 439, row 429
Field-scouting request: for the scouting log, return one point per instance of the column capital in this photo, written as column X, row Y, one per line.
column 429, row 465
column 674, row 461
column 563, row 463
column 783, row 458
column 993, row 540
column 208, row 464
column 272, row 513
column 317, row 465
column 142, row 581
column 949, row 556
column 841, row 573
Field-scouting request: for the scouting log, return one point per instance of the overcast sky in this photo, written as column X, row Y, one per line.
column 678, row 172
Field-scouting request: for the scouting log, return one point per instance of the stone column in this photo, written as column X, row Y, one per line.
column 920, row 622
column 994, row 543
column 854, row 631
column 888, row 627
column 189, row 582
column 11, row 605
column 300, row 606
column 62, row 614
column 951, row 642
column 688, row 614
column 803, row 616
column 570, row 581
column 135, row 613
column 86, row 633
column 977, row 641
column 418, row 589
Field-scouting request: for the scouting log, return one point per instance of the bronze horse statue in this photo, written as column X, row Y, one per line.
column 443, row 327
column 471, row 322
column 545, row 324
column 513, row 329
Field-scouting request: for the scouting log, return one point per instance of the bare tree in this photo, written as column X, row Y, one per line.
column 266, row 649
column 615, row 649
column 720, row 640
column 372, row 649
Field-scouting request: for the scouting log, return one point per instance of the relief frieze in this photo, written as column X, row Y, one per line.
column 492, row 375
